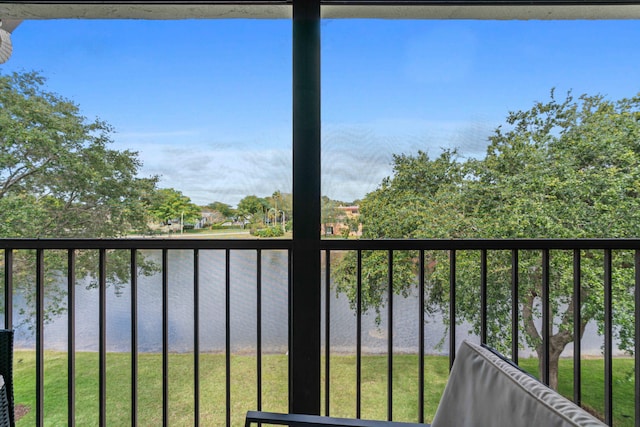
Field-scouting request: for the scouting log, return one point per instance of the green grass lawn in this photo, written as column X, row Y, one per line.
column 274, row 388
column 593, row 385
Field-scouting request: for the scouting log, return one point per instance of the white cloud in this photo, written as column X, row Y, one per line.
column 225, row 175
column 355, row 157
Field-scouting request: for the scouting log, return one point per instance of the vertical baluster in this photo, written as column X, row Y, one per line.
column 102, row 371
column 359, row 336
column 259, row 328
column 421, row 307
column 165, row 337
column 515, row 312
column 546, row 325
column 8, row 288
column 71, row 337
column 327, row 332
column 39, row 337
column 289, row 326
column 637, row 338
column 452, row 307
column 8, row 323
column 390, row 339
column 483, row 296
column 196, row 337
column 608, row 339
column 134, row 337
column 227, row 311
column 577, row 320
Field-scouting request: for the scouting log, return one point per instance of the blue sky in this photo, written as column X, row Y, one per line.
column 207, row 104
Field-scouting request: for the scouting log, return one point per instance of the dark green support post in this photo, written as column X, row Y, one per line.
column 304, row 355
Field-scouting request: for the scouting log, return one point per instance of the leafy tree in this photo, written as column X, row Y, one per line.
column 58, row 178
column 224, row 209
column 563, row 169
column 252, row 207
column 168, row 204
column 276, row 197
column 352, row 225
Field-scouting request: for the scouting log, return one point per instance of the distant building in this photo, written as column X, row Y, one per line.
column 347, row 218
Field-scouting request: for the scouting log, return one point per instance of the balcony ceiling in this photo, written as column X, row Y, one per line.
column 417, row 9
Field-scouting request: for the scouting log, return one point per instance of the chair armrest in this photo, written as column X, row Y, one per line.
column 318, row 421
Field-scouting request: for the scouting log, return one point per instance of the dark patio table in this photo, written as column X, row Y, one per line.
column 318, row 421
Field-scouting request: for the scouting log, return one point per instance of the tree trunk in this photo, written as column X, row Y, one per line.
column 557, row 342
column 554, row 358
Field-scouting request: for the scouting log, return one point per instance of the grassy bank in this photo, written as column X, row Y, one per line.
column 274, row 389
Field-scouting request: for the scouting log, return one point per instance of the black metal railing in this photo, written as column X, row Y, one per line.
column 103, row 247
column 545, row 248
column 332, row 251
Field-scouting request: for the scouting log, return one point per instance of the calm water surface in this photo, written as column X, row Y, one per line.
column 243, row 297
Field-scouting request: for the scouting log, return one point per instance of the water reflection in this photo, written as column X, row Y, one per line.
column 243, row 300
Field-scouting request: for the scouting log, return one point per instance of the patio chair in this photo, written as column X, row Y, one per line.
column 484, row 390
column 7, row 416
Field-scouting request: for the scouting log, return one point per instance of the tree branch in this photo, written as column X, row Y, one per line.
column 16, row 176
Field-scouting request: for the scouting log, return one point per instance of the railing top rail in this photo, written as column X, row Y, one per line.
column 325, row 244
column 146, row 243
column 477, row 244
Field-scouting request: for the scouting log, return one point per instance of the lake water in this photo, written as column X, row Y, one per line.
column 243, row 302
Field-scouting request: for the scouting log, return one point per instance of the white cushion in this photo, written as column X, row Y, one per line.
column 484, row 390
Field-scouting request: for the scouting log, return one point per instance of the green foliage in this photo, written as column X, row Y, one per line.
column 268, row 232
column 423, row 199
column 226, row 227
column 563, row 169
column 58, row 178
column 225, row 210
column 252, row 207
column 352, row 225
column 331, row 214
column 375, row 277
column 577, row 161
column 168, row 205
